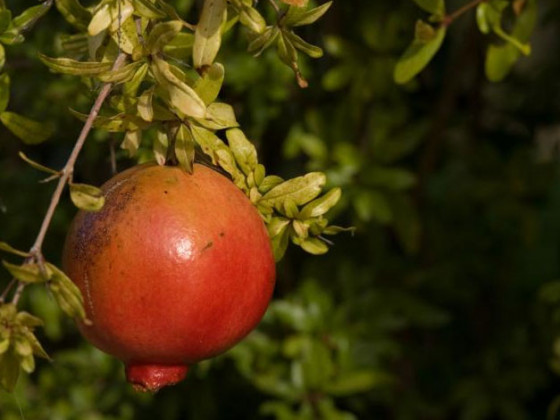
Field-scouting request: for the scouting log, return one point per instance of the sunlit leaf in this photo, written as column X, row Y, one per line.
column 87, row 197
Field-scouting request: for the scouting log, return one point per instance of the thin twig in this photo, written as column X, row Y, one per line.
column 67, row 171
column 448, row 20
column 7, row 290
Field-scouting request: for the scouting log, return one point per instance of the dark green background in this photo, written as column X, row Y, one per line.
column 443, row 305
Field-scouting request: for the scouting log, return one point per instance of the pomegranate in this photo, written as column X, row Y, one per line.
column 175, row 268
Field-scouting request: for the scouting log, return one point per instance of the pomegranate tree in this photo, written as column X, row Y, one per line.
column 175, row 268
column 170, row 262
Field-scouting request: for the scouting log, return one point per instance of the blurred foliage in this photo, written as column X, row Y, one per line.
column 444, row 305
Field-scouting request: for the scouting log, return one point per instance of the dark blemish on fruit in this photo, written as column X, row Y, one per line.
column 94, row 233
column 165, row 192
column 208, row 246
column 222, row 234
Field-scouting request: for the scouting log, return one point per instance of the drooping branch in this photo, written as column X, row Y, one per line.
column 65, row 174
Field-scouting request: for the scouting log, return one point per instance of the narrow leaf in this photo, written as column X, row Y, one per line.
column 74, row 67
column 184, row 148
column 161, row 143
column 29, row 16
column 4, row 246
column 37, row 166
column 74, row 13
column 121, row 75
column 27, row 273
column 299, row 17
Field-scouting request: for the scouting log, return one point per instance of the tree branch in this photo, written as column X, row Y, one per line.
column 36, row 250
column 448, row 19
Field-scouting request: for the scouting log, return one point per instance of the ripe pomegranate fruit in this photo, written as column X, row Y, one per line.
column 175, row 268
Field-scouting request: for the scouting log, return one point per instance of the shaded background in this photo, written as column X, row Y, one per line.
column 446, row 302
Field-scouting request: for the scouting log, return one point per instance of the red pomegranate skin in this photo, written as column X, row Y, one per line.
column 175, row 268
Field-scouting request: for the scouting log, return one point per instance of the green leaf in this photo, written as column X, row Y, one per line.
column 286, row 50
column 9, row 371
column 300, row 190
column 499, row 61
column 482, row 18
column 131, row 88
column 126, row 37
column 27, row 363
column 74, row 13
column 277, row 226
column 417, row 56
column 145, row 107
column 209, row 85
column 101, row 20
column 27, row 320
column 38, row 349
column 161, row 143
column 207, row 141
column 27, row 273
column 131, row 142
column 10, row 249
column 184, row 148
column 29, row 131
column 37, row 166
column 22, row 347
column 162, row 34
column 435, row 7
column 147, row 9
column 29, row 16
column 121, row 75
column 5, row 20
column 243, row 150
column 305, row 47
column 4, row 345
column 296, row 16
column 262, row 41
column 74, row 67
column 335, row 230
column 356, row 382
column 67, row 294
column 269, row 183
column 219, row 116
column 314, row 246
column 87, row 197
column 321, row 205
column 252, row 19
column 181, row 96
column 208, row 34
column 180, row 47
column 280, row 244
